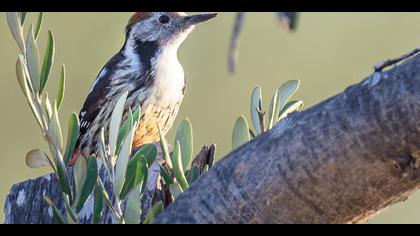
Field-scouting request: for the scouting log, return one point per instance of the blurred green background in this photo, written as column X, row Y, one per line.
column 328, row 52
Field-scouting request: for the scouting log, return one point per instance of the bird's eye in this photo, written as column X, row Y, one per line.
column 164, row 19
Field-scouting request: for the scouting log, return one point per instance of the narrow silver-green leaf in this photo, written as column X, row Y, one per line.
column 73, row 134
column 61, row 87
column 184, row 135
column 63, row 178
column 80, row 173
column 132, row 210
column 164, row 147
column 102, row 152
column 38, row 24
column 98, row 204
column 32, row 58
column 153, row 213
column 126, row 126
column 48, row 61
column 58, row 217
column 256, row 105
column 48, row 107
column 71, row 215
column 175, row 190
column 22, row 17
column 54, row 129
column 122, row 162
column 89, row 183
column 290, row 107
column 165, row 175
column 115, row 123
column 16, row 29
column 22, row 77
column 240, row 133
column 177, row 167
column 274, row 110
column 286, row 90
column 37, row 158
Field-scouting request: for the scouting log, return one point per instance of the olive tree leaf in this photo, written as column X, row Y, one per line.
column 115, row 123
column 37, row 158
column 32, row 58
column 240, row 132
column 16, row 29
column 48, row 61
column 184, row 136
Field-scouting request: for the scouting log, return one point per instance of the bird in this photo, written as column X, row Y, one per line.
column 148, row 69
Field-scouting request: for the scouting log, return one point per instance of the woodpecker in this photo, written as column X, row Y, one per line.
column 147, row 67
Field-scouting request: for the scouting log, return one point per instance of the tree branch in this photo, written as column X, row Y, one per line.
column 341, row 161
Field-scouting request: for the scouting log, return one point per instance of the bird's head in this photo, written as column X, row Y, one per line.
column 164, row 28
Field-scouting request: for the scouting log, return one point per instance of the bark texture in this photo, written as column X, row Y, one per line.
column 341, row 161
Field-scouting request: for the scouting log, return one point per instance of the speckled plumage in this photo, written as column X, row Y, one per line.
column 148, row 68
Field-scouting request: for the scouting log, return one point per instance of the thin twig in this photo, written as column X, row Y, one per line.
column 382, row 65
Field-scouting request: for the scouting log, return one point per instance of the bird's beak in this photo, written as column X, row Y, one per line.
column 196, row 19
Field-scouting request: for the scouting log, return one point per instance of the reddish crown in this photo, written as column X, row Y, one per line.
column 139, row 16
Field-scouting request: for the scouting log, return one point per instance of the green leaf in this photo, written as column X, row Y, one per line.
column 48, row 61
column 102, row 152
column 54, row 129
column 286, row 90
column 274, row 110
column 122, row 162
column 256, row 105
column 132, row 210
column 37, row 158
column 22, row 17
column 149, row 151
column 38, row 24
column 89, row 183
column 71, row 215
column 73, row 135
column 165, row 175
column 48, row 107
column 175, row 190
column 290, row 107
column 58, row 217
column 240, row 132
column 153, row 213
column 32, row 58
column 115, row 123
column 62, row 87
column 193, row 174
column 79, row 173
column 177, row 167
column 22, row 76
column 184, row 136
column 106, row 197
column 164, row 147
column 125, row 128
column 136, row 173
column 63, row 178
column 16, row 29
column 98, row 204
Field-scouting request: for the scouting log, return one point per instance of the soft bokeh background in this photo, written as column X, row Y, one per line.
column 328, row 52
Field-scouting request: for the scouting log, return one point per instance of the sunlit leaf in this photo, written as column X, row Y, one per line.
column 61, row 87
column 289, row 108
column 274, row 110
column 153, row 213
column 122, row 162
column 164, row 147
column 32, row 57
column 286, row 90
column 48, row 107
column 54, row 129
column 126, row 126
column 184, row 136
column 63, row 178
column 177, row 167
column 89, row 183
column 240, row 133
column 73, row 134
column 256, row 105
column 98, row 204
column 71, row 215
column 48, row 61
column 115, row 123
column 37, row 158
column 136, row 173
column 79, row 173
column 16, row 29
column 22, row 17
column 38, row 24
column 132, row 211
